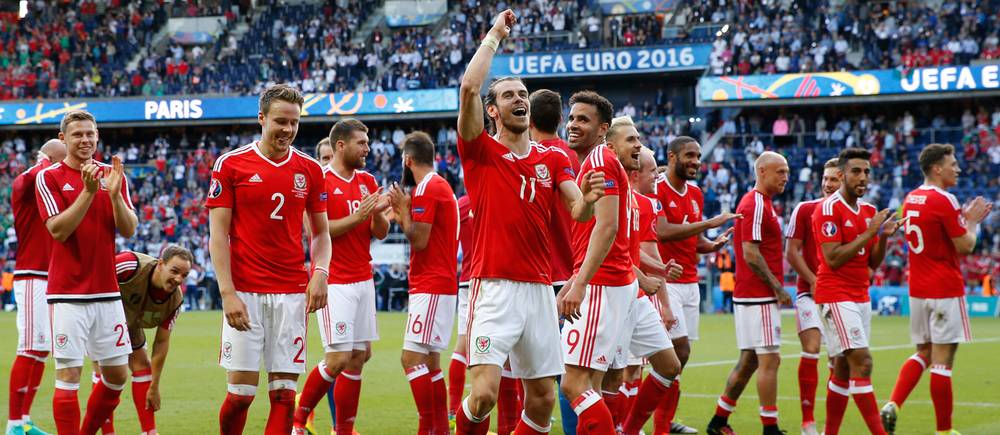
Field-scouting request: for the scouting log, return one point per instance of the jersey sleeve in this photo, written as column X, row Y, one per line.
column 424, row 204
column 317, row 200
column 126, row 265
column 752, row 224
column 599, row 162
column 799, row 224
column 474, row 150
column 648, row 234
column 950, row 213
column 220, row 191
column 49, row 204
column 826, row 227
column 562, row 167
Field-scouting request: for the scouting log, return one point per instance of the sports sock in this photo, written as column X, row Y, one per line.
column 594, row 415
column 282, row 395
column 864, row 397
column 769, row 416
column 20, row 377
column 233, row 415
column 456, row 382
column 104, row 398
column 467, row 424
column 613, row 401
column 527, row 427
column 808, row 379
column 664, row 414
column 909, row 376
column 652, row 391
column 440, row 391
column 37, row 371
column 507, row 404
column 423, row 395
column 347, row 394
column 66, row 408
column 941, row 395
column 141, row 380
column 317, row 384
column 725, row 406
column 837, row 396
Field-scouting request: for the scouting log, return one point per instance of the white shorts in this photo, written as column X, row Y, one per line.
column 939, row 321
column 685, row 302
column 758, row 327
column 94, row 329
column 806, row 314
column 599, row 337
column 516, row 320
column 33, row 328
column 848, row 325
column 428, row 325
column 463, row 308
column 645, row 333
column 348, row 320
column 277, row 335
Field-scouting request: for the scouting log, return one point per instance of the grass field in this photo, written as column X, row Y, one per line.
column 194, row 386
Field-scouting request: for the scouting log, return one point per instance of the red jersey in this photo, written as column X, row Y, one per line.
column 465, row 237
column 82, row 267
column 512, row 198
column 562, row 222
column 643, row 229
column 935, row 219
column 800, row 228
column 432, row 269
column 836, row 222
column 352, row 256
column 616, row 269
column 760, row 225
column 681, row 208
column 268, row 201
column 34, row 242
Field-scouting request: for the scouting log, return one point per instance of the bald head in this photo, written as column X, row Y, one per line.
column 644, row 178
column 54, row 149
column 772, row 173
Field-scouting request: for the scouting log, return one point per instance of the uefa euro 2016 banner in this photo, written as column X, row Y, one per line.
column 211, row 107
column 603, row 61
column 854, row 83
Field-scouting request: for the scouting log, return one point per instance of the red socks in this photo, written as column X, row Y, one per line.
column 233, row 415
column 141, row 381
column 282, row 395
column 104, row 398
column 317, row 384
column 423, row 394
column 864, row 396
column 440, row 402
column 941, row 395
column 653, row 390
column 346, row 394
column 508, row 406
column 456, row 382
column 66, row 408
column 527, row 427
column 667, row 408
column 613, row 401
column 467, row 424
column 837, row 396
column 20, row 377
column 808, row 379
column 725, row 406
column 594, row 415
column 909, row 376
column 769, row 415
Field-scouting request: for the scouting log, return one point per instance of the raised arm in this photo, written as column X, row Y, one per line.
column 666, row 231
column 470, row 105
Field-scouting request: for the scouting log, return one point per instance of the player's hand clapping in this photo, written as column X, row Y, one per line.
column 90, row 173
column 399, row 201
column 113, row 178
column 976, row 210
column 592, row 186
column 235, row 311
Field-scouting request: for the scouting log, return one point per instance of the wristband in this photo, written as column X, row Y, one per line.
column 321, row 269
column 491, row 42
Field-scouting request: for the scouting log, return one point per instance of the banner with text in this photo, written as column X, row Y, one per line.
column 854, row 83
column 621, row 7
column 205, row 108
column 607, row 61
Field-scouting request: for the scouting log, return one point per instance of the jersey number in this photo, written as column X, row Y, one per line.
column 353, row 206
column 913, row 228
column 302, row 348
column 416, row 326
column 277, row 208
column 572, row 339
column 524, row 186
column 120, row 329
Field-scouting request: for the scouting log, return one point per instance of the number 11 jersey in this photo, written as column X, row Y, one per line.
column 267, row 199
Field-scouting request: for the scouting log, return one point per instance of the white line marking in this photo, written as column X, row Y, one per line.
column 822, row 399
column 873, row 349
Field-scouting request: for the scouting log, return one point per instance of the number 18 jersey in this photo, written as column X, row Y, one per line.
column 268, row 200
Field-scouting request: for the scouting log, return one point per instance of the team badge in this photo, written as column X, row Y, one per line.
column 104, row 184
column 829, row 229
column 482, row 344
column 227, row 350
column 542, row 172
column 61, row 340
column 364, row 190
column 341, row 328
column 806, row 314
column 777, row 332
column 856, row 333
column 215, row 189
column 694, row 208
column 300, row 181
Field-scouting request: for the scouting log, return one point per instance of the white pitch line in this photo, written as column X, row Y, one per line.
column 821, row 399
column 873, row 349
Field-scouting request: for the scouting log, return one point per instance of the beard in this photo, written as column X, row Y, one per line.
column 408, row 179
column 682, row 173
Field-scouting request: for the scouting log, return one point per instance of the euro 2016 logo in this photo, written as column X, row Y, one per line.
column 829, row 229
column 215, row 189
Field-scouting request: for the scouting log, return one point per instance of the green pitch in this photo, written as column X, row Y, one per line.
column 194, row 386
